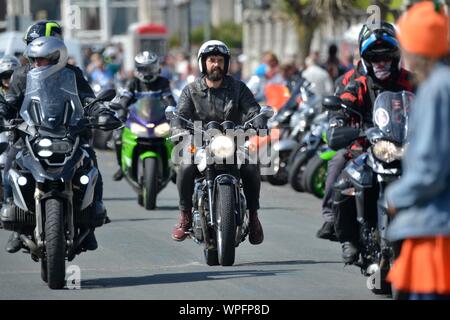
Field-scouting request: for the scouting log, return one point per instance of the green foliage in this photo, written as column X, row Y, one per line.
column 228, row 32
column 174, row 41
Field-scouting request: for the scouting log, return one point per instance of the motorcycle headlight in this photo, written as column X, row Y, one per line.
column 162, row 130
column 45, row 143
column 44, row 153
column 387, row 151
column 44, row 147
column 222, row 146
column 138, row 130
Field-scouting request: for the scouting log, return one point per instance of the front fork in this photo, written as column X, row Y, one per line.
column 210, row 185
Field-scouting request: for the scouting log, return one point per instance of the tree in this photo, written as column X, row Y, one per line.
column 309, row 15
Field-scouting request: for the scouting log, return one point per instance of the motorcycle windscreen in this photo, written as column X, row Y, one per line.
column 149, row 108
column 390, row 114
column 51, row 101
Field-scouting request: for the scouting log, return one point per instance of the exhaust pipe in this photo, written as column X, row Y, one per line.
column 31, row 245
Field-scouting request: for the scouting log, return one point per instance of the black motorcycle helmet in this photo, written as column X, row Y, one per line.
column 379, row 44
column 43, row 28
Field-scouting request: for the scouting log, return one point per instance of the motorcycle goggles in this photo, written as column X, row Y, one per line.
column 216, row 49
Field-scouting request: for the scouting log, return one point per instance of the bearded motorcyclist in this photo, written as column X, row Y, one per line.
column 378, row 70
column 215, row 96
column 45, row 49
column 146, row 78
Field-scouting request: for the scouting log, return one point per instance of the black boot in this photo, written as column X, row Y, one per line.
column 14, row 243
column 350, row 252
column 118, row 175
column 327, row 231
column 90, row 242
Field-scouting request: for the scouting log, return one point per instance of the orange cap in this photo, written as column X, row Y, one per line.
column 423, row 31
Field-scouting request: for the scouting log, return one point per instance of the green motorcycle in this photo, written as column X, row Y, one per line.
column 146, row 149
column 315, row 172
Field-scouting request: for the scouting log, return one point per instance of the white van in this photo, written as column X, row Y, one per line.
column 11, row 42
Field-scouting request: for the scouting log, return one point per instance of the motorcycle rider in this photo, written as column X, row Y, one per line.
column 378, row 70
column 216, row 96
column 8, row 64
column 146, row 78
column 50, row 35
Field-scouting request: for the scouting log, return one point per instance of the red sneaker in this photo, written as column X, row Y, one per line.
column 179, row 233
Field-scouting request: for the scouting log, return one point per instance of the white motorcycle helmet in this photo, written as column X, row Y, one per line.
column 213, row 47
column 8, row 64
column 147, row 66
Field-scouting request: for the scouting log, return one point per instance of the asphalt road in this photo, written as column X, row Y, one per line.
column 137, row 259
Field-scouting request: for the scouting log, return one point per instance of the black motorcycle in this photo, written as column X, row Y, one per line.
column 219, row 217
column 53, row 178
column 309, row 146
column 292, row 124
column 369, row 175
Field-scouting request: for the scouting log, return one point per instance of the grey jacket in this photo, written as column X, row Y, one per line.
column 423, row 192
column 233, row 101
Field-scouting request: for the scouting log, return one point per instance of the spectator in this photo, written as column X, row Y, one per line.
column 422, row 195
column 322, row 83
column 332, row 65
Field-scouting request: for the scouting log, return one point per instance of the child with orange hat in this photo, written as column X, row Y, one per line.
column 420, row 200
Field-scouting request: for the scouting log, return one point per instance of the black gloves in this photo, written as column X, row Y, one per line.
column 260, row 122
column 99, row 109
column 4, row 108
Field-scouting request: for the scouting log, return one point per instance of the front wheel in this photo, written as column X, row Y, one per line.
column 280, row 177
column 297, row 170
column 315, row 176
column 211, row 257
column 150, row 186
column 55, row 243
column 226, row 224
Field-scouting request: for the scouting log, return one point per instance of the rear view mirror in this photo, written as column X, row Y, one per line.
column 332, row 103
column 267, row 111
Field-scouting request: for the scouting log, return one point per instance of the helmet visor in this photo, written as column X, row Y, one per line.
column 152, row 69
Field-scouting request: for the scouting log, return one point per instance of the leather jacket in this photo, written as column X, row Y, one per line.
column 232, row 101
column 135, row 85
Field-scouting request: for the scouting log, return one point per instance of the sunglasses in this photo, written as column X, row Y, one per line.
column 377, row 59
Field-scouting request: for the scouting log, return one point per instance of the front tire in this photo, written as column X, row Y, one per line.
column 280, row 177
column 226, row 224
column 211, row 257
column 44, row 272
column 296, row 172
column 55, row 243
column 315, row 176
column 150, row 187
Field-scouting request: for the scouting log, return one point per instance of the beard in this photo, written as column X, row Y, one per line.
column 215, row 74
